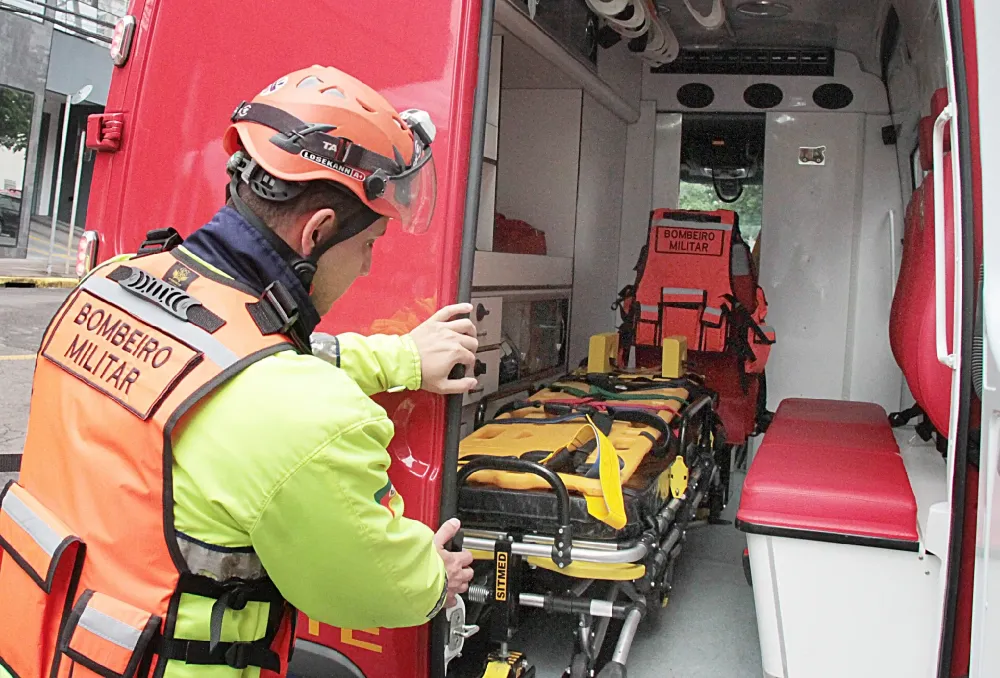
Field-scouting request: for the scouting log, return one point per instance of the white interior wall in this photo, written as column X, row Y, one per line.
column 524, row 68
column 622, row 70
column 667, row 162
column 538, row 160
column 637, row 199
column 652, row 180
column 598, row 219
column 916, row 69
column 871, row 373
column 810, row 222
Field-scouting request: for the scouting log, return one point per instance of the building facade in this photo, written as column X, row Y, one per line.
column 49, row 49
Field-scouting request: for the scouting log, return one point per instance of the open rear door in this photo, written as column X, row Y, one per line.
column 985, row 659
column 189, row 66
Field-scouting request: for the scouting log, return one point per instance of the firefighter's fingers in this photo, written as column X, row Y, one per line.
column 449, row 312
column 462, row 326
column 468, row 342
column 447, row 532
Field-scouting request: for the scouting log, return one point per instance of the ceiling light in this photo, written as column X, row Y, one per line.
column 764, row 9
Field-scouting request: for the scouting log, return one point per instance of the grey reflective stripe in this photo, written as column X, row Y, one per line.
column 219, row 563
column 28, row 520
column 649, row 309
column 711, row 310
column 110, row 629
column 741, row 260
column 693, row 291
column 696, row 225
column 194, row 336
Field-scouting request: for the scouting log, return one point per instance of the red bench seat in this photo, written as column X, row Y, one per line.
column 832, row 425
column 852, row 496
column 830, row 470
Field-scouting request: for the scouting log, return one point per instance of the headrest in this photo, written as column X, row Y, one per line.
column 725, row 217
column 938, row 102
column 925, row 129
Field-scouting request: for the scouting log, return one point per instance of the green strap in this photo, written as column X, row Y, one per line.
column 611, row 395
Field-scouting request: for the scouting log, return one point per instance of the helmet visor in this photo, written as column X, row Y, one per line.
column 412, row 196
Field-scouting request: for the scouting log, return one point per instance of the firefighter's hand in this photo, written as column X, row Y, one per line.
column 457, row 564
column 445, row 340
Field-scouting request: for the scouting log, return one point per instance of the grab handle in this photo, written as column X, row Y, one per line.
column 561, row 548
column 940, row 316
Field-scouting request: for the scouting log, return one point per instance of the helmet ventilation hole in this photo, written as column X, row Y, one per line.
column 311, row 81
column 334, row 91
column 365, row 106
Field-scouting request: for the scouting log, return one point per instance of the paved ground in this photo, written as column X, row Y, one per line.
column 24, row 315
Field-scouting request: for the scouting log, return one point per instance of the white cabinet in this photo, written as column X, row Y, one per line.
column 487, row 314
column 488, row 374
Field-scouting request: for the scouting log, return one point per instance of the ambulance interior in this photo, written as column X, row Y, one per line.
column 812, row 120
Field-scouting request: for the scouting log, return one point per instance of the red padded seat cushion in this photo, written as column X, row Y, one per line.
column 833, row 437
column 848, row 494
column 832, row 411
column 832, row 425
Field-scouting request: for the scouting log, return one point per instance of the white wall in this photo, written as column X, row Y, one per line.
column 524, row 68
column 637, row 199
column 871, row 373
column 598, row 216
column 539, row 148
column 622, row 70
column 652, row 172
column 810, row 218
column 916, row 69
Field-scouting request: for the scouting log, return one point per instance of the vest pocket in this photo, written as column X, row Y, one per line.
column 680, row 311
column 713, row 324
column 106, row 637
column 40, row 565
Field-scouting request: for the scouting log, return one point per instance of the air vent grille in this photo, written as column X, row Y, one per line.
column 812, row 61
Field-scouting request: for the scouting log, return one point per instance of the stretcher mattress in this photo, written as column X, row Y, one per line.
column 520, row 501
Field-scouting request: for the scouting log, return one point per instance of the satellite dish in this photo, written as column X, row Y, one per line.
column 81, row 94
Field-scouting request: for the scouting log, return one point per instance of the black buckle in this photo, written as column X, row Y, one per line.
column 159, row 240
column 238, row 655
column 282, row 303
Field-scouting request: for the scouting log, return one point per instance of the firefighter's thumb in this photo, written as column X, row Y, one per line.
column 446, row 532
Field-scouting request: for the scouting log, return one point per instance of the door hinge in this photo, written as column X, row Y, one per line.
column 104, row 131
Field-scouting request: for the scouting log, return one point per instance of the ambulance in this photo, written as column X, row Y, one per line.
column 602, row 166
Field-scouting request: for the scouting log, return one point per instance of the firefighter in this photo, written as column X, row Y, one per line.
column 217, row 462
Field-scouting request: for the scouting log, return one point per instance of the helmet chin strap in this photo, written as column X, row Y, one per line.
column 348, row 226
column 304, row 268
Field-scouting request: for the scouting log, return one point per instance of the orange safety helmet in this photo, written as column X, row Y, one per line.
column 321, row 124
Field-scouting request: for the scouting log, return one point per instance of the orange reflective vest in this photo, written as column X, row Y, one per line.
column 694, row 278
column 91, row 569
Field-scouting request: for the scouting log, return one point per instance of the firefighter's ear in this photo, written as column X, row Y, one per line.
column 319, row 226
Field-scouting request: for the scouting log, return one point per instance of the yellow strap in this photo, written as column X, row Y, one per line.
column 497, row 669
column 609, row 508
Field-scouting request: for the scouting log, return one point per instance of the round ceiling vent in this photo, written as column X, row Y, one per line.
column 763, row 95
column 833, row 96
column 764, row 9
column 695, row 95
